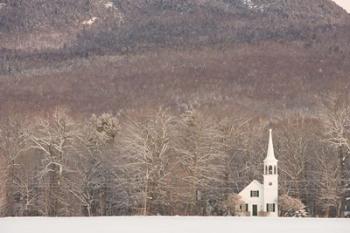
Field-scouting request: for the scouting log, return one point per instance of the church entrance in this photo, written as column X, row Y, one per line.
column 255, row 210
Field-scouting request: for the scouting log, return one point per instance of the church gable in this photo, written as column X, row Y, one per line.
column 252, row 196
column 253, row 186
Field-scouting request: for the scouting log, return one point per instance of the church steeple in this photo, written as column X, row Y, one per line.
column 271, row 180
column 270, row 157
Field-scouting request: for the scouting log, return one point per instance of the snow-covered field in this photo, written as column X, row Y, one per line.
column 172, row 225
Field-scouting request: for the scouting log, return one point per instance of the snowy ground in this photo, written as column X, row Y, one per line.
column 173, row 225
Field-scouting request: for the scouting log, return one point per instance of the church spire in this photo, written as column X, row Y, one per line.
column 270, row 151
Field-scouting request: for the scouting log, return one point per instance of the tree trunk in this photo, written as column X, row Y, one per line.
column 54, row 190
column 341, row 158
column 145, row 200
column 10, row 201
column 89, row 210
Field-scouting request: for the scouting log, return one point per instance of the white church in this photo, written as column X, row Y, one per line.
column 263, row 198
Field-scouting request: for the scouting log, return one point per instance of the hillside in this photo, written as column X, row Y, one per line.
column 95, row 24
column 126, row 54
column 161, row 107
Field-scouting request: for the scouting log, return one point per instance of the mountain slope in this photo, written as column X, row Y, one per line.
column 161, row 21
column 100, row 55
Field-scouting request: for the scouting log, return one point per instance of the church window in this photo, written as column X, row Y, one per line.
column 271, row 207
column 254, row 193
column 275, row 170
column 270, row 170
column 244, row 207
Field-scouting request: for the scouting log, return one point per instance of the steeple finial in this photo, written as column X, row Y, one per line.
column 270, row 151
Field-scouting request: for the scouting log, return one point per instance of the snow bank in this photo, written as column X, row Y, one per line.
column 173, row 225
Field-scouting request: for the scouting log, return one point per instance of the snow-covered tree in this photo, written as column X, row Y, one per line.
column 198, row 144
column 95, row 185
column 234, row 204
column 329, row 192
column 12, row 145
column 52, row 139
column 145, row 161
column 291, row 207
column 335, row 115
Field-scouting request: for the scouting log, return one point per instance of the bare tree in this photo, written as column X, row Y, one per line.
column 294, row 148
column 335, row 115
column 329, row 192
column 145, row 148
column 53, row 140
column 199, row 146
column 245, row 146
column 12, row 144
column 95, row 184
column 27, row 191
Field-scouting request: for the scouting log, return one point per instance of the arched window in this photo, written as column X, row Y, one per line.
column 265, row 170
column 270, row 170
column 275, row 169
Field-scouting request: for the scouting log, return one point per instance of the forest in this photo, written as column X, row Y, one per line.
column 164, row 162
column 162, row 107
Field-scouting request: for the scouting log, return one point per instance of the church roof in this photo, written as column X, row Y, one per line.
column 270, row 157
column 254, row 183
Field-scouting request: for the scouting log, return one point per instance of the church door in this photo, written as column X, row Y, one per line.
column 255, row 210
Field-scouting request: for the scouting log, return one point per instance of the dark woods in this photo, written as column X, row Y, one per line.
column 166, row 163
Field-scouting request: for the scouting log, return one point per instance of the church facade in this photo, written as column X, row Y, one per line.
column 262, row 199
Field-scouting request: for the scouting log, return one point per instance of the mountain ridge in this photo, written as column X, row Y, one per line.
column 70, row 21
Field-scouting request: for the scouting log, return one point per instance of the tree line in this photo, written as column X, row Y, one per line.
column 169, row 163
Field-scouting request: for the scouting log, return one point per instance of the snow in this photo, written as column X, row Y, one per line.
column 173, row 225
column 109, row 5
column 249, row 4
column 252, row 6
column 90, row 21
